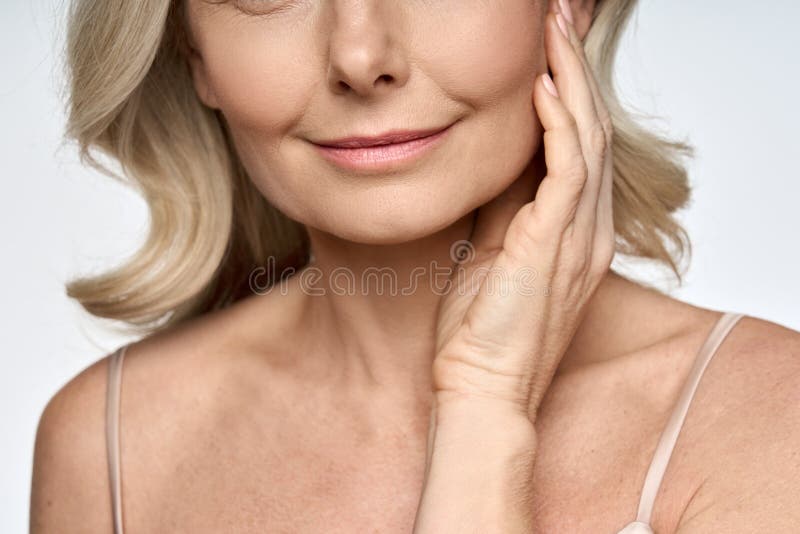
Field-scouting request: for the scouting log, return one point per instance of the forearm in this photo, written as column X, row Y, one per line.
column 480, row 470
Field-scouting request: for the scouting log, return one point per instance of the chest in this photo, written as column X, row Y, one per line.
column 576, row 491
column 303, row 490
column 328, row 478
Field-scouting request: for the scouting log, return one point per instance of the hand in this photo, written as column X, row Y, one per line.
column 496, row 352
column 551, row 251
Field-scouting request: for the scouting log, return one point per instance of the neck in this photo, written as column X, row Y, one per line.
column 377, row 306
column 376, row 313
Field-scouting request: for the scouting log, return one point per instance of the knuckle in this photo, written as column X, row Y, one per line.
column 603, row 257
column 577, row 170
column 534, row 243
column 529, row 235
column 600, row 263
column 597, row 138
column 608, row 125
column 570, row 122
column 572, row 268
column 581, row 53
column 581, row 254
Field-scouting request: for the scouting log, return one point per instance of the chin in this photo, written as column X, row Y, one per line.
column 372, row 225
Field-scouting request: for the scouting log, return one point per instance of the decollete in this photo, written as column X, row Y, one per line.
column 652, row 482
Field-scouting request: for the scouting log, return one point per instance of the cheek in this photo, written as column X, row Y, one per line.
column 263, row 86
column 260, row 84
column 489, row 60
column 482, row 55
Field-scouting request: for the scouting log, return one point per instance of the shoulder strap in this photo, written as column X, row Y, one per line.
column 112, row 434
column 673, row 427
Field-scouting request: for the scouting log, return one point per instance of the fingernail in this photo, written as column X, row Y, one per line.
column 567, row 10
column 562, row 25
column 549, row 85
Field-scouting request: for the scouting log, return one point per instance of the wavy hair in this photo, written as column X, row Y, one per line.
column 130, row 98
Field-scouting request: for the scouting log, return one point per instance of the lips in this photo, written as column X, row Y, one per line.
column 388, row 138
column 388, row 152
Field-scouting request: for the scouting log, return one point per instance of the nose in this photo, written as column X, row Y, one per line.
column 365, row 52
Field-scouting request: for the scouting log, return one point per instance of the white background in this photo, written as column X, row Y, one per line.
column 723, row 73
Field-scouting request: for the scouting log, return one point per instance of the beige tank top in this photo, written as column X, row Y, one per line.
column 641, row 525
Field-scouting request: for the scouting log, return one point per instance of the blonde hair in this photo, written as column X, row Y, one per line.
column 131, row 98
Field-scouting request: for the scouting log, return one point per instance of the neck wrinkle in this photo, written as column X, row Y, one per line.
column 378, row 305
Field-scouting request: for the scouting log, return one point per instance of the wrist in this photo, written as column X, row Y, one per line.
column 480, row 466
column 482, row 426
column 481, row 411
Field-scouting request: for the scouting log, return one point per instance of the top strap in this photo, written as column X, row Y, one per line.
column 673, row 427
column 112, row 434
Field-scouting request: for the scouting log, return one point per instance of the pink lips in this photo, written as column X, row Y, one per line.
column 380, row 153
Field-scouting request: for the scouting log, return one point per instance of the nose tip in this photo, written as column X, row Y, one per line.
column 365, row 52
column 346, row 84
column 366, row 71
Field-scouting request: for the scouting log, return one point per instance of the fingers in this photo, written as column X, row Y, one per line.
column 513, row 294
column 600, row 107
column 540, row 269
column 568, row 73
column 560, row 191
column 604, row 226
column 602, row 189
column 577, row 152
column 573, row 79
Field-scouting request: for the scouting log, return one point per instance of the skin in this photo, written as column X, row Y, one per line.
column 304, row 413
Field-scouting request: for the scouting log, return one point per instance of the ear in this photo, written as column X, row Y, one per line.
column 190, row 52
column 201, row 80
column 582, row 12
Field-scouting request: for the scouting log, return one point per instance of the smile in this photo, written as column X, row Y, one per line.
column 383, row 153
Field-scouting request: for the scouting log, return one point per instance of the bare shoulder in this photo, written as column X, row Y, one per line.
column 173, row 383
column 747, row 432
column 69, row 470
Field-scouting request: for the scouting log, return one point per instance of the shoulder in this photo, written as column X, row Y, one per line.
column 747, row 433
column 70, row 474
column 757, row 364
column 70, row 488
column 175, row 385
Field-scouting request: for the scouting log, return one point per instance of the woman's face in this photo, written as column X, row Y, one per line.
column 287, row 73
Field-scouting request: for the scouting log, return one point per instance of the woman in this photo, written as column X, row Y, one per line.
column 296, row 154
